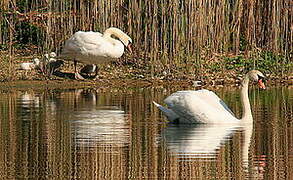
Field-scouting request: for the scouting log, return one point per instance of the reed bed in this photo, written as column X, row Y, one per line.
column 166, row 33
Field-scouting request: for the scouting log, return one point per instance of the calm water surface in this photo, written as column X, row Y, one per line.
column 119, row 134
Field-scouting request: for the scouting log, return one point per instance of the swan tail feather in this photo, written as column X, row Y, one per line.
column 171, row 115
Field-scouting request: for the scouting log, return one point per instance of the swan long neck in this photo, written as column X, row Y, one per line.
column 109, row 32
column 117, row 48
column 246, row 110
column 124, row 38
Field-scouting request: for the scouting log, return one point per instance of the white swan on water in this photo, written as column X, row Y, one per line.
column 95, row 48
column 204, row 106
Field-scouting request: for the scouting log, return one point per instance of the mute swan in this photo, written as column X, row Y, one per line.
column 26, row 66
column 49, row 63
column 52, row 66
column 95, row 48
column 204, row 106
column 29, row 65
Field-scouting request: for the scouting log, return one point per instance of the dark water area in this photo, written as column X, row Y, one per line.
column 117, row 133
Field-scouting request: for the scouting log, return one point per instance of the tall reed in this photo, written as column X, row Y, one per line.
column 161, row 29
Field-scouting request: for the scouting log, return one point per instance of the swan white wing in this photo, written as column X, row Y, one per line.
column 212, row 99
column 172, row 116
column 88, row 47
column 201, row 106
column 83, row 42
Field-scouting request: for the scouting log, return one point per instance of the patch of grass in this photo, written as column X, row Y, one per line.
column 266, row 61
column 238, row 63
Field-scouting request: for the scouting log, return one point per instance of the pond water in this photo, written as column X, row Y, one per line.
column 118, row 133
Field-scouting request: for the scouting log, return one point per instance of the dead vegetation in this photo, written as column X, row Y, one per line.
column 173, row 39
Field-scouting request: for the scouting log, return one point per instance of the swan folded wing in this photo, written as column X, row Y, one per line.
column 97, row 48
column 167, row 112
column 87, row 47
column 71, row 47
column 90, row 42
column 213, row 100
column 198, row 107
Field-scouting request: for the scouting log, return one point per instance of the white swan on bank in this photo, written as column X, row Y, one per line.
column 204, row 106
column 29, row 65
column 95, row 48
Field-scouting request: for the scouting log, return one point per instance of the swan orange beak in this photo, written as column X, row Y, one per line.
column 261, row 84
column 129, row 48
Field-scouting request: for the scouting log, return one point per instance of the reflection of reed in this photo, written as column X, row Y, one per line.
column 100, row 134
column 41, row 144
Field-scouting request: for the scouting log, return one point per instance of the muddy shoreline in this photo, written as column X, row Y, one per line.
column 125, row 83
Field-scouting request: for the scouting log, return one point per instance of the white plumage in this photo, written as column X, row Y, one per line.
column 26, row 66
column 52, row 55
column 95, row 48
column 204, row 106
column 29, row 65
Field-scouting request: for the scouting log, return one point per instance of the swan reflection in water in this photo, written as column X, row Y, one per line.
column 28, row 99
column 203, row 140
column 197, row 139
column 95, row 125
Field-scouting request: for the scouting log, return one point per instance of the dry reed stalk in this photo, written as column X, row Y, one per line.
column 163, row 30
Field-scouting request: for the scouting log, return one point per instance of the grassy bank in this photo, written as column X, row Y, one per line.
column 224, row 69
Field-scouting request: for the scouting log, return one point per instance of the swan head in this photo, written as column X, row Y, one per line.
column 258, row 77
column 124, row 38
column 126, row 41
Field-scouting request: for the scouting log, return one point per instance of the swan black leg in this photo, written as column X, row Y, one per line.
column 75, row 63
column 76, row 74
column 96, row 70
column 95, row 77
